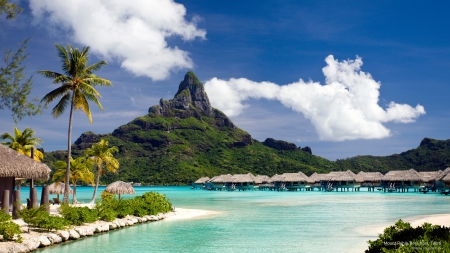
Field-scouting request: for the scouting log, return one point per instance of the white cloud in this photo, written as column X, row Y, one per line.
column 132, row 32
column 345, row 108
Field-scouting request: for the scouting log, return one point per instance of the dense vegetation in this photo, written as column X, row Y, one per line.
column 403, row 238
column 148, row 154
column 431, row 155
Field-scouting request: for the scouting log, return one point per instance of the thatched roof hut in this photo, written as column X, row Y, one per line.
column 262, row 179
column 275, row 178
column 202, row 180
column 369, row 177
column 316, row 177
column 429, row 176
column 57, row 188
column 443, row 175
column 402, row 175
column 221, row 178
column 294, row 177
column 14, row 164
column 241, row 178
column 342, row 176
column 120, row 187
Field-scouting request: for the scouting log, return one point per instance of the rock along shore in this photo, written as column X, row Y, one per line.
column 34, row 240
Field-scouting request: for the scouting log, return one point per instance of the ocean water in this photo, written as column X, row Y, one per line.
column 261, row 221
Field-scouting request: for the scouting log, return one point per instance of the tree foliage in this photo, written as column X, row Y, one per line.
column 78, row 83
column 23, row 142
column 15, row 88
column 10, row 9
column 403, row 238
column 102, row 156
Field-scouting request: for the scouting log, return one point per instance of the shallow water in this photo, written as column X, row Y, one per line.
column 261, row 221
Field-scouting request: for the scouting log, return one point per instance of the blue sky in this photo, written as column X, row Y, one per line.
column 251, row 55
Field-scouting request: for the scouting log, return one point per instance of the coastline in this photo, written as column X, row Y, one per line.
column 34, row 240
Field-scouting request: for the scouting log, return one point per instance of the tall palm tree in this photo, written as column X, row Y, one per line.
column 101, row 154
column 80, row 169
column 23, row 142
column 77, row 87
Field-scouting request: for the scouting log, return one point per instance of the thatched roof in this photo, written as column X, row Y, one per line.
column 275, row 178
column 443, row 176
column 241, row 178
column 368, row 176
column 293, row 177
column 201, row 180
column 14, row 164
column 402, row 175
column 120, row 187
column 429, row 176
column 57, row 188
column 221, row 178
column 342, row 176
column 259, row 179
column 315, row 177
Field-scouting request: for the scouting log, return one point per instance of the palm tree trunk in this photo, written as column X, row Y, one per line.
column 74, row 199
column 97, row 180
column 69, row 151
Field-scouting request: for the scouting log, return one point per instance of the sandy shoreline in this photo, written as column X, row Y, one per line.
column 183, row 213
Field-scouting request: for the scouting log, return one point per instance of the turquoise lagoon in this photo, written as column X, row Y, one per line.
column 261, row 221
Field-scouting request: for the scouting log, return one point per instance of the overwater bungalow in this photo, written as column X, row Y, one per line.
column 240, row 182
column 261, row 179
column 319, row 181
column 428, row 180
column 442, row 181
column 401, row 181
column 217, row 182
column 369, row 179
column 200, row 183
column 291, row 181
column 343, row 180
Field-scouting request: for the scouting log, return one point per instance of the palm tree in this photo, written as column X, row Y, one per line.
column 80, row 169
column 101, row 154
column 23, row 142
column 77, row 87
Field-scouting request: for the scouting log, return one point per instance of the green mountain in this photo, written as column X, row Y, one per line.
column 431, row 155
column 185, row 138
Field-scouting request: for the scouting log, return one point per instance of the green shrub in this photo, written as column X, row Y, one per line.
column 403, row 238
column 78, row 215
column 9, row 229
column 40, row 218
column 155, row 203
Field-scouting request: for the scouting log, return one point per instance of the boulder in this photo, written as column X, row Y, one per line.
column 44, row 241
column 63, row 234
column 73, row 234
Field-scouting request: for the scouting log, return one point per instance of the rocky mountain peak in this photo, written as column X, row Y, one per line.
column 191, row 100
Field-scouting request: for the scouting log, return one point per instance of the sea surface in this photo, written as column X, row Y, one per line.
column 260, row 221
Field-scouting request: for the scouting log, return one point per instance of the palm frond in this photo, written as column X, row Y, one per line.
column 56, row 93
column 61, row 106
column 96, row 66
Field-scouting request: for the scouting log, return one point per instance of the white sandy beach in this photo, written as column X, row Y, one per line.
column 183, row 213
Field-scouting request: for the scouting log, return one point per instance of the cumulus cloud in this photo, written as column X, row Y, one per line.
column 132, row 32
column 344, row 108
